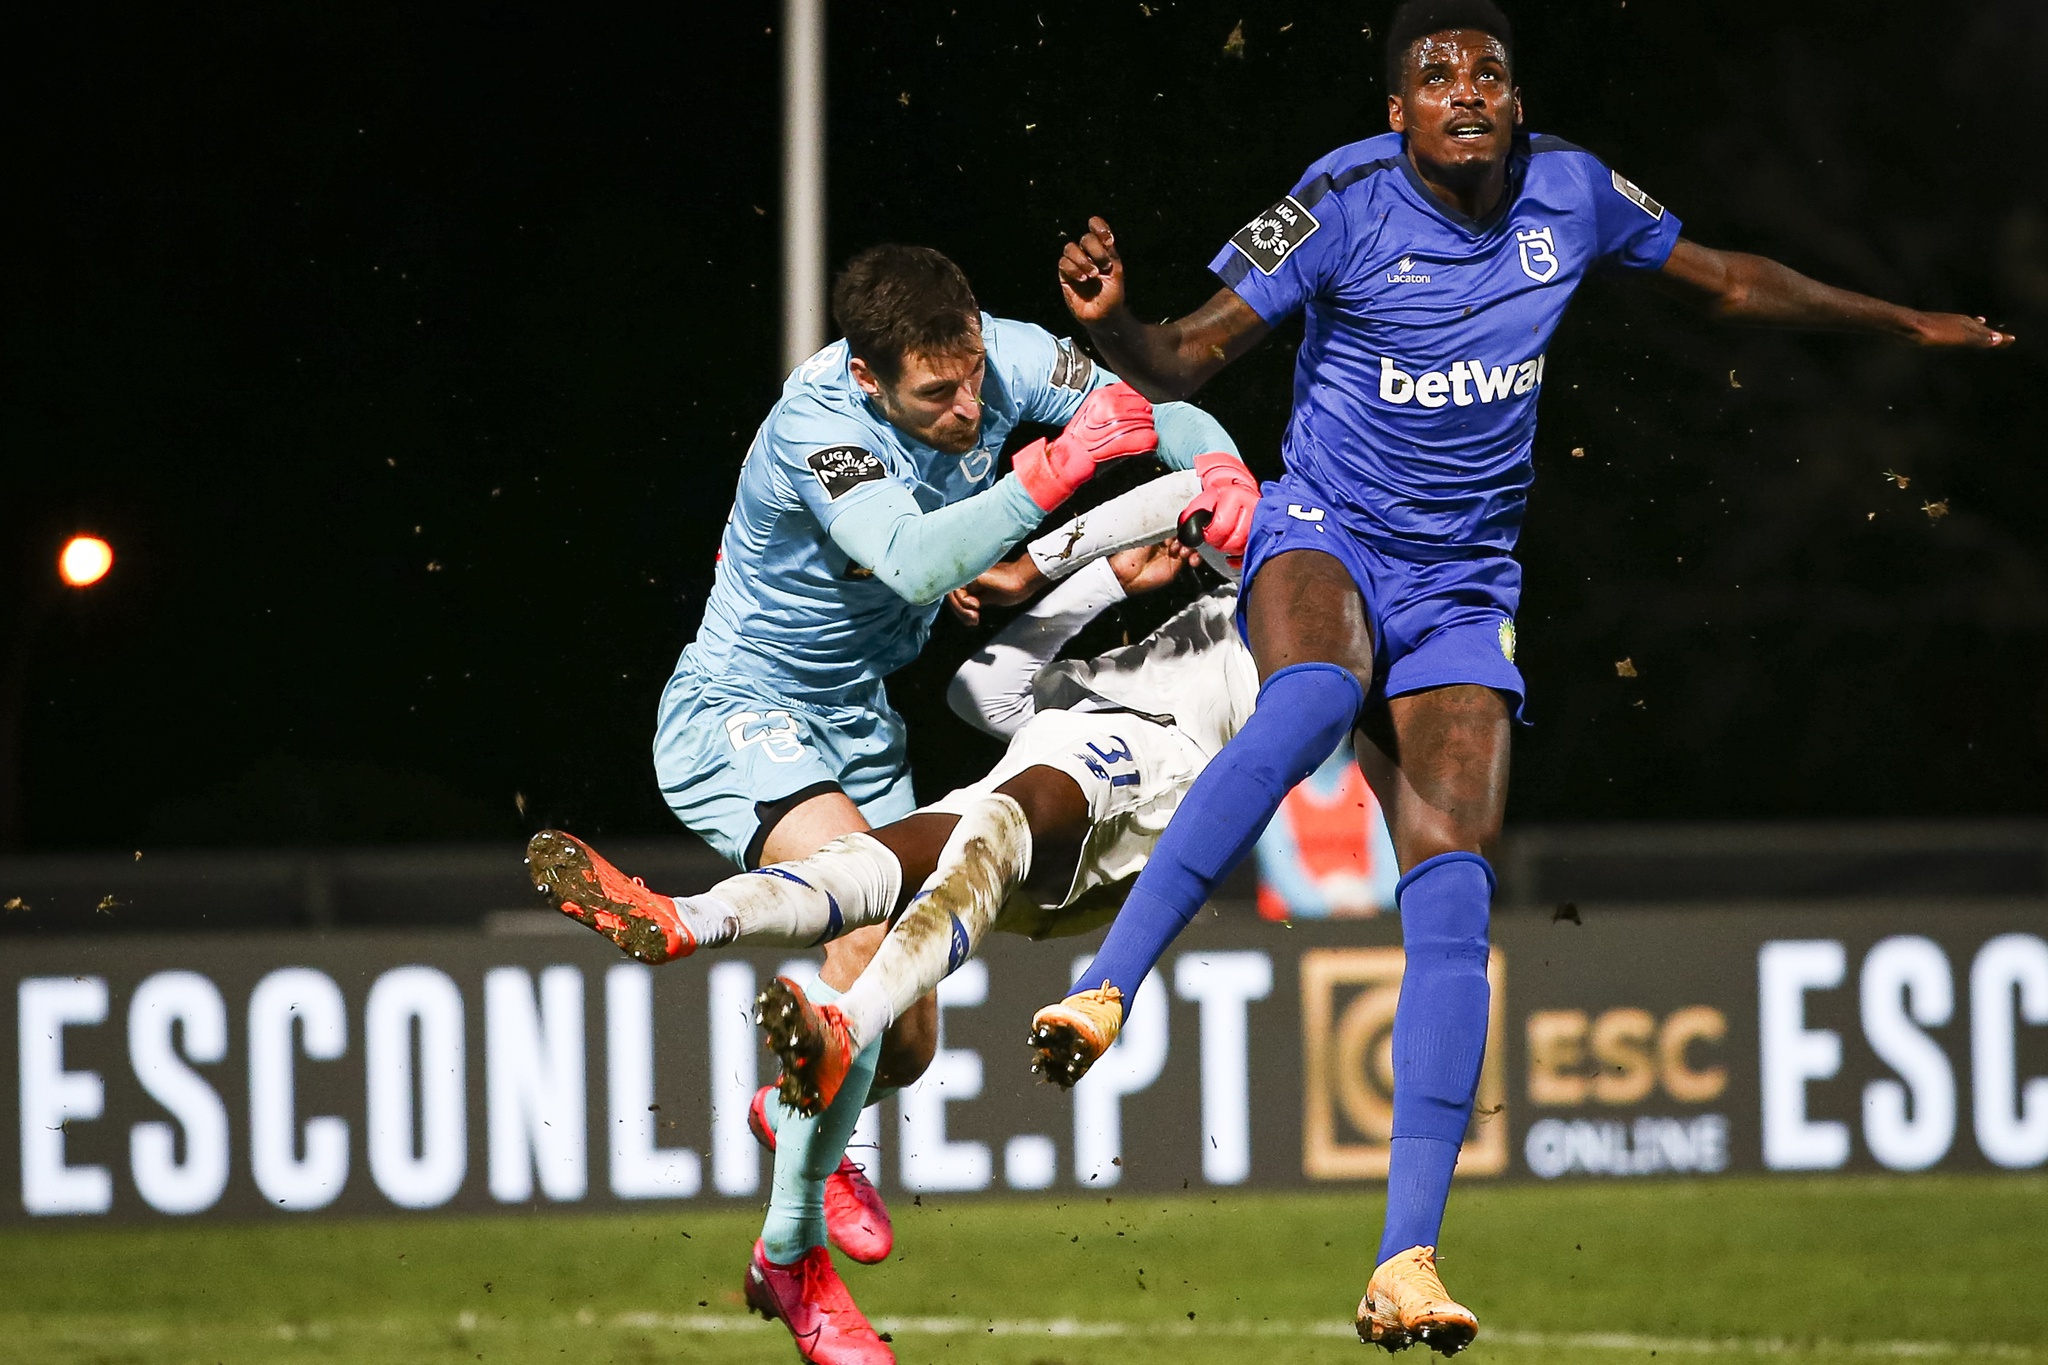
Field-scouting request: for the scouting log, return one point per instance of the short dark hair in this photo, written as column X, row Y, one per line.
column 1418, row 19
column 892, row 300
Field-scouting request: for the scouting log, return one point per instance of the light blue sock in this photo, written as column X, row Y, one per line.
column 774, row 1110
column 807, row 1150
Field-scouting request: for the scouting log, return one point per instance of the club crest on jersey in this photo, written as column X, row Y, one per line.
column 976, row 463
column 1272, row 237
column 841, row 469
column 1404, row 273
column 1539, row 254
column 1627, row 189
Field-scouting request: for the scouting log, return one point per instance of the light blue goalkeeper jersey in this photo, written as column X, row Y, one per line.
column 789, row 608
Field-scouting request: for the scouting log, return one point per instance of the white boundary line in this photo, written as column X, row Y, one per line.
column 714, row 1323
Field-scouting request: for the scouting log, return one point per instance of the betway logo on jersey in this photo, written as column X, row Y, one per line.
column 1465, row 383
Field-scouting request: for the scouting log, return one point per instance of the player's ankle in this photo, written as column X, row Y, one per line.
column 712, row 923
column 865, row 1008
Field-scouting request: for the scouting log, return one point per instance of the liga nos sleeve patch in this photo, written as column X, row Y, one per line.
column 841, row 469
column 1271, row 238
column 1628, row 190
column 1070, row 368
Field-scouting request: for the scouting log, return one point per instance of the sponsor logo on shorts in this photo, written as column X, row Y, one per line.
column 774, row 731
column 1507, row 640
column 1539, row 254
column 1465, row 383
column 1347, row 1022
column 1628, row 190
column 841, row 469
column 1272, row 237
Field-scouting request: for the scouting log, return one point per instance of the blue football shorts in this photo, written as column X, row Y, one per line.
column 1434, row 622
column 725, row 748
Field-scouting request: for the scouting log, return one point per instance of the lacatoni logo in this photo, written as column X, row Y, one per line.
column 1467, row 382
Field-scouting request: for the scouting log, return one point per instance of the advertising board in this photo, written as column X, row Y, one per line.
column 297, row 1075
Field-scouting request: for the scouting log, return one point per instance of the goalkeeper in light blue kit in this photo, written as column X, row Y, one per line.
column 1432, row 264
column 871, row 490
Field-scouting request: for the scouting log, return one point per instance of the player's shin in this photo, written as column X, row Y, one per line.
column 1303, row 713
column 807, row 1151
column 987, row 856
column 849, row 883
column 1439, row 1039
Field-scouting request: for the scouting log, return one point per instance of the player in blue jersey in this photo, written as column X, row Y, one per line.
column 871, row 490
column 1432, row 264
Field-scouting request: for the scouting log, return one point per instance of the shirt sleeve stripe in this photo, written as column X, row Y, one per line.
column 1234, row 268
column 1313, row 193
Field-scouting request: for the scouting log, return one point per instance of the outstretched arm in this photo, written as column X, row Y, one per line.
column 1738, row 287
column 924, row 555
column 992, row 690
column 1163, row 361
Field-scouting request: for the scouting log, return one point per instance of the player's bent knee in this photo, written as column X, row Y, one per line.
column 1053, row 803
column 1423, row 832
column 1446, row 902
column 909, row 1045
column 1304, row 712
column 1323, row 695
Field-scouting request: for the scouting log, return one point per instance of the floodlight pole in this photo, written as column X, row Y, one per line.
column 803, row 180
column 15, row 654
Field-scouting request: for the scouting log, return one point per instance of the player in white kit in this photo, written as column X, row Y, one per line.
column 1101, row 751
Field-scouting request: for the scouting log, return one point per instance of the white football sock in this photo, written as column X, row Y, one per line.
column 987, row 857
column 849, row 883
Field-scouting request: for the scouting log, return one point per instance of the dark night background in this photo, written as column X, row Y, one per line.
column 406, row 356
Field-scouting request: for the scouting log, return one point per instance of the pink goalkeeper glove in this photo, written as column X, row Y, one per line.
column 1113, row 422
column 1229, row 493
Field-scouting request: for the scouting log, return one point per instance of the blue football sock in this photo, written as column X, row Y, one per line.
column 1439, row 1039
column 807, row 1150
column 1303, row 712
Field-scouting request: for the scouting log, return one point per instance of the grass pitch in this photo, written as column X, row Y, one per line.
column 1807, row 1270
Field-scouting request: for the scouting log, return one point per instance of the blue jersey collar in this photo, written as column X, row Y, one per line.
column 1518, row 166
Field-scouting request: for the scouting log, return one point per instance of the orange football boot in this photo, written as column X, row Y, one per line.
column 1067, row 1038
column 570, row 873
column 1405, row 1303
column 811, row 1042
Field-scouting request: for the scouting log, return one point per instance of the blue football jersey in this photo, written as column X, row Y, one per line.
column 788, row 608
column 1416, row 384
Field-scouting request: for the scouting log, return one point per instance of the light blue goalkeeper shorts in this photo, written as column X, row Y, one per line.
column 733, row 757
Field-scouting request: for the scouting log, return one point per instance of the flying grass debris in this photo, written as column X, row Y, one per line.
column 1233, row 46
column 1935, row 510
column 1625, row 668
column 1902, row 480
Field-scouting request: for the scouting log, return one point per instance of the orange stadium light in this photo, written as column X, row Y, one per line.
column 84, row 561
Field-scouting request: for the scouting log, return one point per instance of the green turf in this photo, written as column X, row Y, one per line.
column 1808, row 1270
